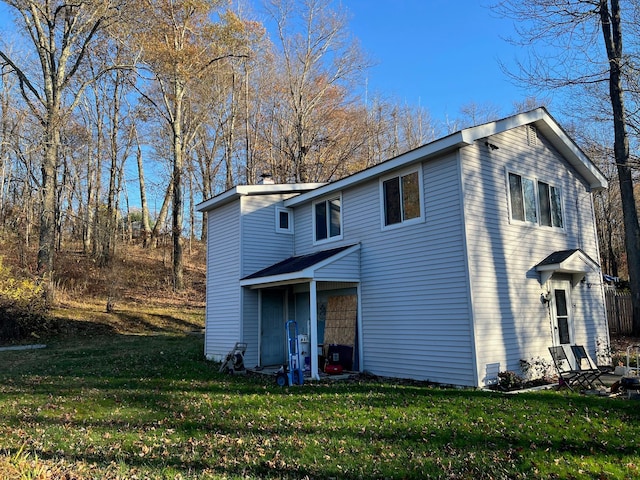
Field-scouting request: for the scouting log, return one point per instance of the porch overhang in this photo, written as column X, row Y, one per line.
column 571, row 262
column 337, row 264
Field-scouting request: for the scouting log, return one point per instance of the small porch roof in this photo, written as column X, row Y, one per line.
column 304, row 268
column 573, row 262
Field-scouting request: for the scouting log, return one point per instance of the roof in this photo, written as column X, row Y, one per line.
column 298, row 268
column 245, row 190
column 539, row 117
column 574, row 262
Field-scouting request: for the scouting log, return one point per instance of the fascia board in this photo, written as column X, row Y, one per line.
column 576, row 157
column 244, row 190
column 442, row 145
column 305, row 275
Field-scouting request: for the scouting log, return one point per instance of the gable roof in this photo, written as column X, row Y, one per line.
column 539, row 117
column 574, row 262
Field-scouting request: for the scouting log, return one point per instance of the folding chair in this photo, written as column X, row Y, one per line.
column 590, row 372
column 569, row 376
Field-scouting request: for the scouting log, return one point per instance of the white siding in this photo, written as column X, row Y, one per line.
column 262, row 246
column 222, row 327
column 510, row 321
column 346, row 269
column 415, row 304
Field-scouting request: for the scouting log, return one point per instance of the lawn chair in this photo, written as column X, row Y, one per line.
column 568, row 375
column 590, row 372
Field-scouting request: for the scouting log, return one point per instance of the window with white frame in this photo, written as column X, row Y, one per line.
column 401, row 198
column 535, row 202
column 327, row 219
column 284, row 220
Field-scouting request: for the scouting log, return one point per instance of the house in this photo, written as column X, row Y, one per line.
column 450, row 263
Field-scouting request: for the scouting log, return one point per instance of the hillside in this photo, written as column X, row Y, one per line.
column 137, row 286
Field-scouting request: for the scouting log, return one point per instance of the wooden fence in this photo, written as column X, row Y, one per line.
column 619, row 312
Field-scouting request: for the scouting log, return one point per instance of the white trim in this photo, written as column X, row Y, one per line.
column 536, row 197
column 421, row 200
column 289, row 213
column 437, row 147
column 244, row 190
column 473, row 327
column 260, row 327
column 327, row 199
column 568, row 266
column 304, row 275
column 540, row 118
column 360, row 333
column 313, row 319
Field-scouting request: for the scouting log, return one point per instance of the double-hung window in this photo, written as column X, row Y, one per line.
column 327, row 219
column 401, row 198
column 535, row 202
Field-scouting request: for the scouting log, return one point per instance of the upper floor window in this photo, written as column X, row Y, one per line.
column 535, row 202
column 284, row 220
column 401, row 198
column 327, row 219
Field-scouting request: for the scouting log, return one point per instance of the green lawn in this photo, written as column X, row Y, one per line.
column 134, row 406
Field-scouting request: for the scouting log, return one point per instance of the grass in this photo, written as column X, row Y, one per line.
column 149, row 406
column 128, row 395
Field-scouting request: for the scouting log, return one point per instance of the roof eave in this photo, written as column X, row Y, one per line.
column 244, row 190
column 301, row 276
column 436, row 147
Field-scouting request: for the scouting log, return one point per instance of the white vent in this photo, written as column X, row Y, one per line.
column 532, row 135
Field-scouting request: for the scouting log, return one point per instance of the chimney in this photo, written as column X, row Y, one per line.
column 266, row 179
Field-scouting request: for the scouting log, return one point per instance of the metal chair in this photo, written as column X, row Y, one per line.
column 569, row 376
column 590, row 372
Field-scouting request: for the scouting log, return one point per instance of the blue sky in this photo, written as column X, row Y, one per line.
column 441, row 54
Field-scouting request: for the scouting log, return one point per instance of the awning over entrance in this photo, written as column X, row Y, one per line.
column 573, row 262
column 341, row 264
column 337, row 264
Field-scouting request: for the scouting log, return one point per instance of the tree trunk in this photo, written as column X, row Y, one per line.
column 47, row 239
column 146, row 228
column 611, row 29
column 162, row 215
column 178, row 199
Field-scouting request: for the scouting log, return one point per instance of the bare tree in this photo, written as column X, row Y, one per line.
column 180, row 44
column 320, row 63
column 573, row 34
column 61, row 34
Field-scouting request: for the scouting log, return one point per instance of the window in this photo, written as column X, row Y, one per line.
column 402, row 198
column 327, row 219
column 550, row 205
column 541, row 206
column 284, row 220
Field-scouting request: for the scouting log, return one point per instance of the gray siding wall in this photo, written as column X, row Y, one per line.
column 261, row 244
column 222, row 324
column 345, row 269
column 510, row 321
column 415, row 302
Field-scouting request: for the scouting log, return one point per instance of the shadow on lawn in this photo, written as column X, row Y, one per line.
column 165, row 407
column 211, row 443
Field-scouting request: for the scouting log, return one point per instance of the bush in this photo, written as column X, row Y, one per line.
column 23, row 306
column 508, row 381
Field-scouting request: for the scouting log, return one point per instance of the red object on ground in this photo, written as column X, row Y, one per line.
column 333, row 369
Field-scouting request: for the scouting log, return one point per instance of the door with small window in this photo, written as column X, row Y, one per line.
column 560, row 304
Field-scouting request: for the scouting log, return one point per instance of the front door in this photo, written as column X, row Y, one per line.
column 272, row 334
column 562, row 321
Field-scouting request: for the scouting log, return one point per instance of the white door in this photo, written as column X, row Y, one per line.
column 561, row 315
